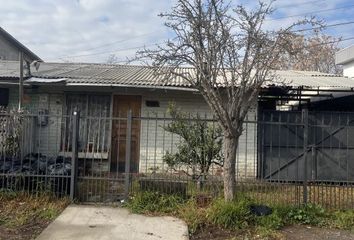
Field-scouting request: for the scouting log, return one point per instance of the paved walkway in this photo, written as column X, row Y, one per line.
column 105, row 223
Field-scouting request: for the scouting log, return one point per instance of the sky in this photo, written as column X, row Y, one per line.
column 93, row 30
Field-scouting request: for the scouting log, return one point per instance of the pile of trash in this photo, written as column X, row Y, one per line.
column 36, row 164
column 36, row 172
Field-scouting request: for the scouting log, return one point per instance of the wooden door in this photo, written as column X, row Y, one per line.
column 121, row 105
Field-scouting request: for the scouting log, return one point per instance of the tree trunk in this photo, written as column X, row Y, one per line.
column 230, row 146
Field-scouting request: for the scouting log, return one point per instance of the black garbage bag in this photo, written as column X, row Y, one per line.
column 260, row 210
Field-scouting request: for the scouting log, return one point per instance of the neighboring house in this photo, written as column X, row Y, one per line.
column 105, row 91
column 10, row 48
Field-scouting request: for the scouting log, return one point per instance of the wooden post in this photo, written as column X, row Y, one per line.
column 20, row 83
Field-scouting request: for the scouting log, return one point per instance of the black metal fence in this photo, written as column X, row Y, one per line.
column 283, row 157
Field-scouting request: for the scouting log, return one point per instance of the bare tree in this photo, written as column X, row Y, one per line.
column 312, row 53
column 231, row 56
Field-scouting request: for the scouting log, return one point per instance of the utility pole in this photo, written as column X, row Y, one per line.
column 20, row 85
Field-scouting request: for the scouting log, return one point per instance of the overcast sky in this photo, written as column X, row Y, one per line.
column 92, row 30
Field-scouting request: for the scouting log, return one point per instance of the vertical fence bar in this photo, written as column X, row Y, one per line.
column 128, row 155
column 74, row 160
column 305, row 121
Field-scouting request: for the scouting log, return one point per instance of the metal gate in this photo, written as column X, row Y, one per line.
column 309, row 148
column 97, row 177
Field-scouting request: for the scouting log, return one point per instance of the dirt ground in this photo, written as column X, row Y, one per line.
column 288, row 233
column 315, row 233
column 24, row 216
column 26, row 232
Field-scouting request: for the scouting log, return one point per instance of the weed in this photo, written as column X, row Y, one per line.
column 343, row 220
column 194, row 217
column 309, row 214
column 48, row 213
column 233, row 215
column 154, row 202
column 273, row 221
column 19, row 209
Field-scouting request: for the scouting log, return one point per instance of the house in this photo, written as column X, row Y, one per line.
column 345, row 58
column 104, row 93
column 11, row 47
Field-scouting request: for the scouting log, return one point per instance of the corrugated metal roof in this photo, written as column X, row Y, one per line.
column 105, row 74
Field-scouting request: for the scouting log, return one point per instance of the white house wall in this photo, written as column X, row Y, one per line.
column 155, row 141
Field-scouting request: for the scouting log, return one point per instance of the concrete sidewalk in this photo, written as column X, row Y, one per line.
column 105, row 223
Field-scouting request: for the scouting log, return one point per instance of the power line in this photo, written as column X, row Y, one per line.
column 113, row 43
column 326, row 26
column 336, row 41
column 296, row 5
column 308, row 13
column 138, row 47
column 120, row 41
column 110, row 51
column 156, row 44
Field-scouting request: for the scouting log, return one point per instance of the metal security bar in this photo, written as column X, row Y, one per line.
column 285, row 157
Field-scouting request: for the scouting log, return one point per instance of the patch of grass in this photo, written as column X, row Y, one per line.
column 273, row 221
column 19, row 209
column 234, row 215
column 195, row 217
column 343, row 220
column 154, row 202
column 309, row 214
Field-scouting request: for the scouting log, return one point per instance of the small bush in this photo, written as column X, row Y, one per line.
column 234, row 215
column 309, row 214
column 154, row 202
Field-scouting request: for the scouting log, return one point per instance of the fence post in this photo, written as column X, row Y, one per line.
column 128, row 154
column 305, row 121
column 314, row 163
column 74, row 159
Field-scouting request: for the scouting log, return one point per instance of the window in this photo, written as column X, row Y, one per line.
column 94, row 125
column 152, row 103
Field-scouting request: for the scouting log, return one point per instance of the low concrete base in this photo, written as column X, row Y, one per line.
column 105, row 223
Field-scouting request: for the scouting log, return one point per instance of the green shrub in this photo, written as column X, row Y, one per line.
column 344, row 219
column 234, row 215
column 154, row 202
column 309, row 214
column 273, row 221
